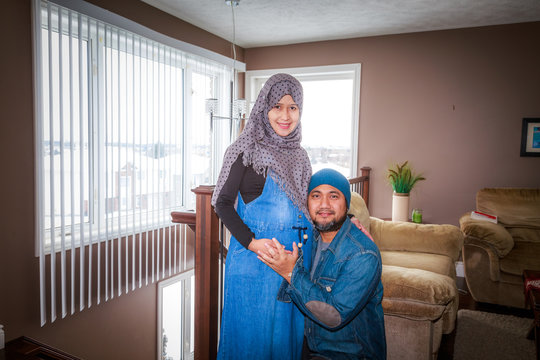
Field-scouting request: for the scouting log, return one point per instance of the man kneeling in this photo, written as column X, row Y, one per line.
column 341, row 295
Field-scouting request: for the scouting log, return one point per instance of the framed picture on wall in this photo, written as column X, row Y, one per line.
column 530, row 137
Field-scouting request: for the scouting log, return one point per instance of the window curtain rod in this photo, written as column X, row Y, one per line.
column 127, row 24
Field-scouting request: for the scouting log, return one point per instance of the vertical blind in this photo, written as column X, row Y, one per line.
column 122, row 137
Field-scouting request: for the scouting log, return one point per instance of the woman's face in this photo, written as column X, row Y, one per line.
column 284, row 116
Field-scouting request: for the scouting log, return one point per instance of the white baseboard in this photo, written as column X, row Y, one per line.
column 460, row 270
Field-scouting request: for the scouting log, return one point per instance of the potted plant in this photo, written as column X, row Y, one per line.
column 402, row 179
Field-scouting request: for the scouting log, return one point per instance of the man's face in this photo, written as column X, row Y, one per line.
column 327, row 207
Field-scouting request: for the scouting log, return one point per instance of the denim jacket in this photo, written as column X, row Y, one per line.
column 342, row 303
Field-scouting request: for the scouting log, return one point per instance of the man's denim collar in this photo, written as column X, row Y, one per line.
column 345, row 227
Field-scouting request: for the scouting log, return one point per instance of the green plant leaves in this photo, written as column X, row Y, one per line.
column 402, row 179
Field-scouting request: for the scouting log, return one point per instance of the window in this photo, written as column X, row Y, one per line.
column 123, row 135
column 176, row 322
column 330, row 114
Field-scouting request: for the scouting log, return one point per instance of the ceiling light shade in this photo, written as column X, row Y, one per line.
column 211, row 105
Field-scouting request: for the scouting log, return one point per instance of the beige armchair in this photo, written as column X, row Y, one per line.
column 420, row 294
column 495, row 255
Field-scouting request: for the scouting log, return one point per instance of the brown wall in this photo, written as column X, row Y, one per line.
column 450, row 102
column 124, row 328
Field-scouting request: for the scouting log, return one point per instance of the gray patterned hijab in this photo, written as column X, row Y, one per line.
column 282, row 158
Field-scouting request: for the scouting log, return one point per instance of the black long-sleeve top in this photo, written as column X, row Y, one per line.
column 250, row 184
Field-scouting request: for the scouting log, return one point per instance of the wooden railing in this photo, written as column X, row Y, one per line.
column 361, row 184
column 207, row 253
column 206, row 226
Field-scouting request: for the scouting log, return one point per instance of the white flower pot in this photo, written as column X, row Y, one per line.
column 400, row 207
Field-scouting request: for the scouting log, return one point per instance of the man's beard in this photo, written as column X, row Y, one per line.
column 333, row 225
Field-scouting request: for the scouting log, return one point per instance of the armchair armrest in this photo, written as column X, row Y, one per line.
column 403, row 236
column 493, row 235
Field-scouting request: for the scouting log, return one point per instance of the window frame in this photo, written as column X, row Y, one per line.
column 187, row 311
column 255, row 79
column 96, row 53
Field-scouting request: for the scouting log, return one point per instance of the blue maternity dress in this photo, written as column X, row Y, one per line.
column 254, row 324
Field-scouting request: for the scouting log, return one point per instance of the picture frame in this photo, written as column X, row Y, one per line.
column 530, row 137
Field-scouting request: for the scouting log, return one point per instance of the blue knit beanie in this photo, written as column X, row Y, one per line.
column 333, row 178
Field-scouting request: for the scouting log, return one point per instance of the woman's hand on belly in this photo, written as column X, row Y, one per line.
column 257, row 245
column 280, row 260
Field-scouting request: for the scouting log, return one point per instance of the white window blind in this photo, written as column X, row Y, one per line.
column 122, row 137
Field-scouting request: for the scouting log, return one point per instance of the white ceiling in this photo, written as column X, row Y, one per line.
column 280, row 22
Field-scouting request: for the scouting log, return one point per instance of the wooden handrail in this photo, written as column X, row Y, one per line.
column 184, row 217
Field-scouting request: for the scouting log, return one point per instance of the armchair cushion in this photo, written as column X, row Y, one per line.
column 435, row 263
column 523, row 256
column 419, row 294
column 403, row 236
column 494, row 234
column 359, row 209
column 524, row 234
column 513, row 207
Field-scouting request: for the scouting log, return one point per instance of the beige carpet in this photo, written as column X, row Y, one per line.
column 482, row 335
